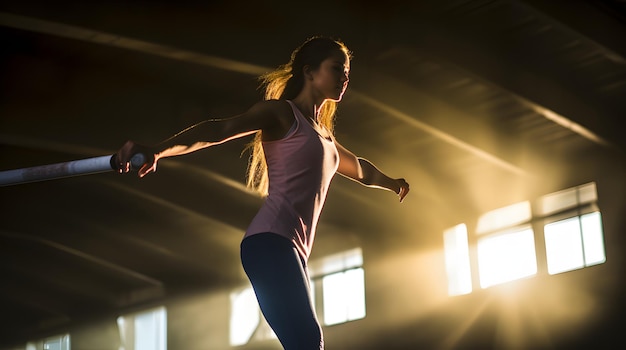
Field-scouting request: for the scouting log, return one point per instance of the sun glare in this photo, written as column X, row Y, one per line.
column 244, row 317
column 574, row 243
column 457, row 260
column 505, row 239
column 506, row 257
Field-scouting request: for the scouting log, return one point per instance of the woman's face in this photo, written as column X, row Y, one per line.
column 330, row 80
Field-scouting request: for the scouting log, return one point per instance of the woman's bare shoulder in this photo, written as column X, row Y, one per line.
column 272, row 106
column 278, row 110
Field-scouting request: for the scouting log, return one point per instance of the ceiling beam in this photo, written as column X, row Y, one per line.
column 102, row 38
column 590, row 20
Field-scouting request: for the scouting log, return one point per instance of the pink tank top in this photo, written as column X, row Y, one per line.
column 300, row 168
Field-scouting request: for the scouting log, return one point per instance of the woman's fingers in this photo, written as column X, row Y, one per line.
column 124, row 156
column 147, row 169
column 404, row 189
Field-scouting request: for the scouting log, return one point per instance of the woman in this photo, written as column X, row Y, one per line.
column 294, row 157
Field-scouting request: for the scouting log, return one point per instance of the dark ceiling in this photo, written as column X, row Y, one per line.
column 477, row 103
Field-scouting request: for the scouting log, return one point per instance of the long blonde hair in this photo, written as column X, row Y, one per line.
column 285, row 83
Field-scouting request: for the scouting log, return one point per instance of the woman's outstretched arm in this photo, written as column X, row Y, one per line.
column 263, row 116
column 366, row 173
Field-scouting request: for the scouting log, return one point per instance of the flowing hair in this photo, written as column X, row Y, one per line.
column 285, row 83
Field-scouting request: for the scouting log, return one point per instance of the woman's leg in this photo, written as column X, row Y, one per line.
column 282, row 288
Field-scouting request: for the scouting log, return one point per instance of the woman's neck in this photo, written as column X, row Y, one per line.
column 308, row 107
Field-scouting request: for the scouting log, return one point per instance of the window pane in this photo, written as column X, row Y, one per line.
column 336, row 263
column 244, row 316
column 145, row 330
column 334, row 295
column 587, row 193
column 150, row 330
column 457, row 260
column 356, row 299
column 566, row 199
column 344, row 296
column 504, row 217
column 61, row 342
column 593, row 239
column 52, row 344
column 564, row 247
column 558, row 201
column 506, row 257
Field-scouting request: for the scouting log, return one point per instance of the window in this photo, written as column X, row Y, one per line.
column 59, row 342
column 568, row 221
column 457, row 260
column 506, row 256
column 242, row 321
column 246, row 321
column 338, row 280
column 505, row 245
column 573, row 229
column 144, row 330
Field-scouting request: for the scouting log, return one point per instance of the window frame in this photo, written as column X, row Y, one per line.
column 128, row 332
column 573, row 202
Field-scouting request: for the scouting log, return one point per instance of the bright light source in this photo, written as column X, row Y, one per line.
column 342, row 284
column 244, row 317
column 61, row 342
column 593, row 238
column 506, row 257
column 148, row 329
column 457, row 260
column 564, row 248
column 344, row 296
column 567, row 248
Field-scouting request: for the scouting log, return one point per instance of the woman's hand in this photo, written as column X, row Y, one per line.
column 124, row 161
column 403, row 188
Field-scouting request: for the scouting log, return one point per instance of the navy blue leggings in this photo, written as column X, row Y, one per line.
column 279, row 278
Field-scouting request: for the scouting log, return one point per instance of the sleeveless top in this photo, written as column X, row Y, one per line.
column 300, row 168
